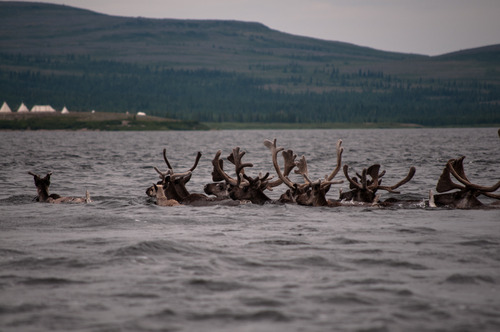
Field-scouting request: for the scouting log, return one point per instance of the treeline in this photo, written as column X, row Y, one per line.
column 81, row 83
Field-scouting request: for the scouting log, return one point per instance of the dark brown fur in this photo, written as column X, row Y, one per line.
column 42, row 186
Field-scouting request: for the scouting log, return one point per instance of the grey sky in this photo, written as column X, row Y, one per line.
column 429, row 27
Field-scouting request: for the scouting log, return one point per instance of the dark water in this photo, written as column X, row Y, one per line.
column 124, row 264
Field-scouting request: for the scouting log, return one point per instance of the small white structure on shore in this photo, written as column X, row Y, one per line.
column 64, row 110
column 5, row 108
column 42, row 109
column 22, row 109
column 141, row 114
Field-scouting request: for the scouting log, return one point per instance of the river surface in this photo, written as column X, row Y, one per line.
column 122, row 263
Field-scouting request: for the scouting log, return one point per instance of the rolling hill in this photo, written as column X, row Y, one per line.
column 231, row 71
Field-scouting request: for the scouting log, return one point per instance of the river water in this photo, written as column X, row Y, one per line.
column 122, row 263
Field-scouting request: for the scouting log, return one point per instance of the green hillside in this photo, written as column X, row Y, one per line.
column 229, row 71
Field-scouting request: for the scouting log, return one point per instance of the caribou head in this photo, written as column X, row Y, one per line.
column 174, row 184
column 218, row 189
column 308, row 193
column 42, row 187
column 465, row 196
column 158, row 192
column 370, row 181
column 244, row 188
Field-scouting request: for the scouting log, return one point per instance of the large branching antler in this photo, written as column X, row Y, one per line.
column 355, row 184
column 235, row 158
column 217, row 163
column 302, row 170
column 372, row 185
column 289, row 159
column 456, row 168
column 445, row 183
column 198, row 156
column 260, row 182
column 173, row 176
column 216, row 175
column 170, row 170
column 376, row 177
column 239, row 166
column 408, row 177
column 339, row 161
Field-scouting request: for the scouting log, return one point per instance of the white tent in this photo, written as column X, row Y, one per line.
column 22, row 109
column 42, row 109
column 64, row 110
column 5, row 108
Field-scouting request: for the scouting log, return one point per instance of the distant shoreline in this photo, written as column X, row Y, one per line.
column 98, row 121
column 103, row 121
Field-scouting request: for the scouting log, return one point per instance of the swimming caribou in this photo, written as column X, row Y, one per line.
column 244, row 188
column 173, row 186
column 308, row 193
column 42, row 187
column 363, row 188
column 466, row 193
column 370, row 180
column 232, row 190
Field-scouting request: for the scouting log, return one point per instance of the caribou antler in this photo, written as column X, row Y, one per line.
column 445, row 183
column 308, row 193
column 455, row 167
column 216, row 175
column 235, row 158
column 339, row 161
column 365, row 189
column 408, row 177
column 373, row 172
column 244, row 187
column 173, row 176
column 260, row 182
column 198, row 156
column 290, row 157
column 217, row 163
column 163, row 175
column 466, row 196
column 239, row 166
column 166, row 160
column 302, row 170
column 355, row 184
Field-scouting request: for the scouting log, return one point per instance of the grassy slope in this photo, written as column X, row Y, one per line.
column 236, row 47
column 226, row 45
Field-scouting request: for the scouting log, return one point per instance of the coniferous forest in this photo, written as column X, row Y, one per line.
column 217, row 71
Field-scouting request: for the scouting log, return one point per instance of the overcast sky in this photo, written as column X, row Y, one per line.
column 428, row 27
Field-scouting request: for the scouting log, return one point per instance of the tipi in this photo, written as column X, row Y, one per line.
column 42, row 109
column 64, row 110
column 22, row 109
column 5, row 108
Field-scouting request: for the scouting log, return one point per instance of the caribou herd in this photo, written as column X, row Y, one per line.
column 242, row 188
